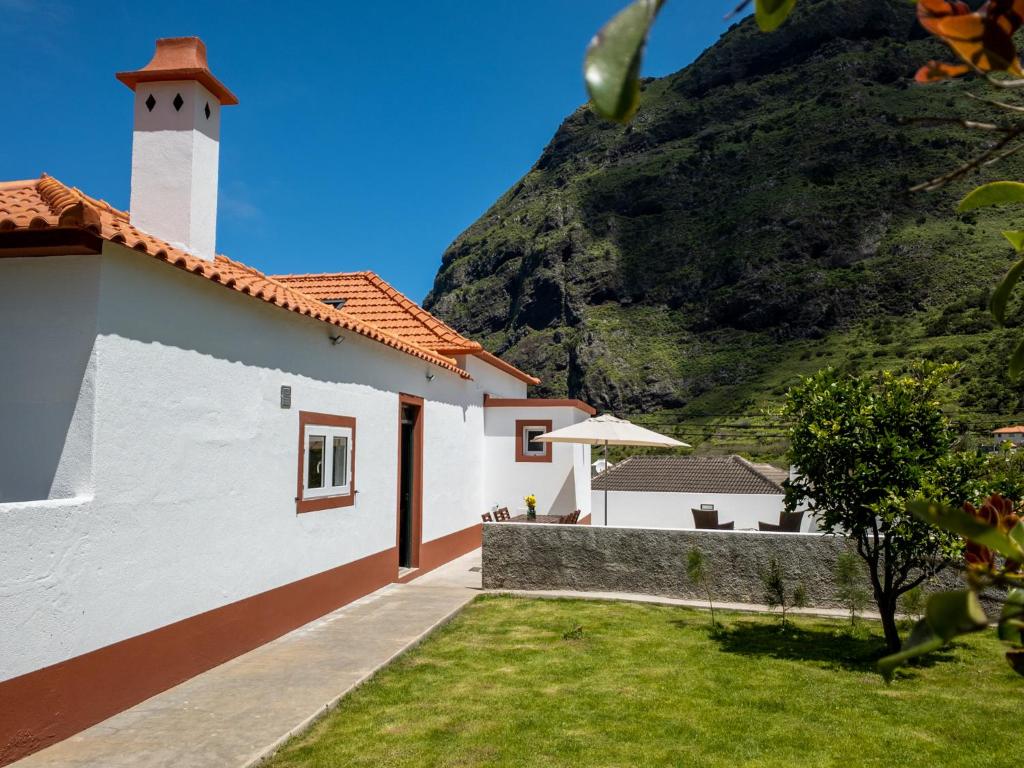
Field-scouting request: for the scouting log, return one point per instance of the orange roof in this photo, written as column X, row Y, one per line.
column 369, row 298
column 1008, row 430
column 43, row 216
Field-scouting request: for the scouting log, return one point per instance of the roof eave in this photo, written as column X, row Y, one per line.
column 508, row 368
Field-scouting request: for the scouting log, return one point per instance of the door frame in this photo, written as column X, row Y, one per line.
column 416, row 528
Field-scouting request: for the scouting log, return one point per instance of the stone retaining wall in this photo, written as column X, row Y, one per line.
column 652, row 561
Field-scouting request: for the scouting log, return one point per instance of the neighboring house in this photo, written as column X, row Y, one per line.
column 197, row 457
column 661, row 491
column 1013, row 435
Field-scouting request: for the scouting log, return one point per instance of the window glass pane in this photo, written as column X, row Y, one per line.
column 315, row 468
column 532, row 446
column 340, row 462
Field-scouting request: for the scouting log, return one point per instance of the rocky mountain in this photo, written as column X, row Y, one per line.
column 751, row 225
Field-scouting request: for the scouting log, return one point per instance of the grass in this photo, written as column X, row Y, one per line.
column 519, row 682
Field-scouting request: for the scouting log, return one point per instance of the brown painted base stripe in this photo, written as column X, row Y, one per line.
column 50, row 704
column 440, row 551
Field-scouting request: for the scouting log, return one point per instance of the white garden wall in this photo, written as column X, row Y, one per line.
column 650, row 509
column 194, row 463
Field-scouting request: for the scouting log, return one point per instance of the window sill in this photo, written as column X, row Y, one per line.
column 324, row 502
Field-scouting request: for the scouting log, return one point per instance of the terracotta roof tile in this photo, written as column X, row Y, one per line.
column 1008, row 430
column 45, row 203
column 685, row 474
column 369, row 298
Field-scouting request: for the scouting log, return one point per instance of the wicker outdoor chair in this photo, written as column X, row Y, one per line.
column 707, row 520
column 789, row 522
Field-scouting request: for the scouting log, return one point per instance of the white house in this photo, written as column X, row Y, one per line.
column 1013, row 435
column 198, row 457
column 664, row 491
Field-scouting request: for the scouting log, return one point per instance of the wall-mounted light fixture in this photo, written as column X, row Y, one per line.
column 430, row 375
column 336, row 340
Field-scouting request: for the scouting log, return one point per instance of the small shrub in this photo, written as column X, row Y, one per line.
column 576, row 633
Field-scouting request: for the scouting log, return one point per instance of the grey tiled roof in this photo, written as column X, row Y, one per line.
column 686, row 474
column 773, row 473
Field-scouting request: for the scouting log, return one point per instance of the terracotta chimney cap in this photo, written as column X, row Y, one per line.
column 179, row 58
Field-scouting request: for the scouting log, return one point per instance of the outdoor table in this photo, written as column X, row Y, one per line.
column 538, row 519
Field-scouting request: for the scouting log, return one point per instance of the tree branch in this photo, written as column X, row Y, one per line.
column 994, row 103
column 991, row 155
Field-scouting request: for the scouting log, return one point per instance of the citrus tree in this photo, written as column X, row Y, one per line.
column 866, row 446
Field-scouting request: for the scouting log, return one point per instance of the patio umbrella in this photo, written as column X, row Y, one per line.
column 608, row 430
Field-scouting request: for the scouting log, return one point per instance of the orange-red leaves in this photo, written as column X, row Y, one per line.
column 983, row 39
column 934, row 71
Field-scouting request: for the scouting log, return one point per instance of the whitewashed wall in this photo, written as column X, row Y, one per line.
column 492, row 381
column 560, row 486
column 193, row 473
column 649, row 509
column 47, row 332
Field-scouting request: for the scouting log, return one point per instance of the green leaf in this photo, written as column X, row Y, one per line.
column 993, row 193
column 1005, row 288
column 771, row 13
column 955, row 613
column 1013, row 611
column 921, row 641
column 1016, row 534
column 1017, row 361
column 611, row 66
column 958, row 521
column 1016, row 238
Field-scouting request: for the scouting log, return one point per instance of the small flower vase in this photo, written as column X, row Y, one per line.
column 531, row 513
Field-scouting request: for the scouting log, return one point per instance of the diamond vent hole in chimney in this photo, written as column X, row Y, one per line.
column 207, row 110
column 178, row 101
column 150, row 102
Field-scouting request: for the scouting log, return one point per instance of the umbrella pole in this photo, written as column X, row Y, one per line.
column 606, row 483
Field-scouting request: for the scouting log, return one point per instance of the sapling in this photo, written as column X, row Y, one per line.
column 697, row 570
column 912, row 603
column 777, row 594
column 850, row 589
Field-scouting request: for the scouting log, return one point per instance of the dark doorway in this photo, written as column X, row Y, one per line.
column 410, row 464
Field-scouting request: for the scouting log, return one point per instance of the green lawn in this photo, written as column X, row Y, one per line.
column 508, row 683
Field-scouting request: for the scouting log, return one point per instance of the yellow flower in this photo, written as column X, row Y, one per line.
column 531, row 500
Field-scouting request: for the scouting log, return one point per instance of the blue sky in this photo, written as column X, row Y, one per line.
column 369, row 135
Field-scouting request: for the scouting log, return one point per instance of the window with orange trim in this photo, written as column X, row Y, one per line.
column 327, row 471
column 528, row 448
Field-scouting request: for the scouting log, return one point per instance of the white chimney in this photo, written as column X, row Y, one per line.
column 176, row 145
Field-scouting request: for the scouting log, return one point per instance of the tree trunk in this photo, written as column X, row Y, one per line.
column 887, row 609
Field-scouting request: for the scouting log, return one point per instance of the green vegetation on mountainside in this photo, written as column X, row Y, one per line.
column 751, row 225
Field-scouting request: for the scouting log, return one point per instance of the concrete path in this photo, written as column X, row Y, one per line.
column 235, row 714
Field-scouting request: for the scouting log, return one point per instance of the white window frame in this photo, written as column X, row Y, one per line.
column 527, row 429
column 329, row 490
